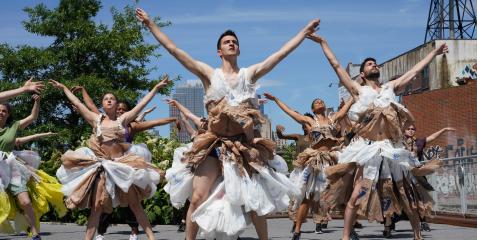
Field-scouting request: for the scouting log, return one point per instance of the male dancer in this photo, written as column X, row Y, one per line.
column 228, row 50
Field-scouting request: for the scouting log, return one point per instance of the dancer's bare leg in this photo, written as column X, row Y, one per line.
column 93, row 222
column 301, row 214
column 260, row 223
column 25, row 204
column 351, row 208
column 204, row 178
column 414, row 220
column 141, row 217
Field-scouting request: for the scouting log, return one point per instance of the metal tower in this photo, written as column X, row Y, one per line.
column 451, row 19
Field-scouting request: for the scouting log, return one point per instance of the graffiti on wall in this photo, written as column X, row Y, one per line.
column 468, row 72
column 433, row 152
column 460, row 149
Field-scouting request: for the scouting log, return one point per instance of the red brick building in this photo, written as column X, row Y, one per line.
column 448, row 107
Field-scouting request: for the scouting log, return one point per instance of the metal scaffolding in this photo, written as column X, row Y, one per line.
column 451, row 19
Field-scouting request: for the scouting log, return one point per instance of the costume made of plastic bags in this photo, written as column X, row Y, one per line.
column 252, row 175
column 19, row 172
column 387, row 183
column 309, row 170
column 91, row 178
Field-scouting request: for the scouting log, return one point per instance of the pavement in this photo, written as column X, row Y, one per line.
column 279, row 229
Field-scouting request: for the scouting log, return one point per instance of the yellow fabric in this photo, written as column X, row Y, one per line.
column 5, row 212
column 43, row 193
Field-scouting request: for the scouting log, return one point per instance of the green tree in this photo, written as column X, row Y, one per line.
column 102, row 58
column 289, row 154
column 83, row 52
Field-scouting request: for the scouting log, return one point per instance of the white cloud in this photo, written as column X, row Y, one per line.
column 402, row 17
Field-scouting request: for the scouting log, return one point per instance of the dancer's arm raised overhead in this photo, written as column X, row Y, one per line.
column 343, row 111
column 185, row 122
column 129, row 116
column 34, row 113
column 145, row 125
column 280, row 134
column 293, row 114
column 258, row 70
column 87, row 114
column 345, row 79
column 402, row 81
column 142, row 115
column 200, row 69
column 435, row 135
column 187, row 113
column 22, row 140
column 29, row 86
column 88, row 101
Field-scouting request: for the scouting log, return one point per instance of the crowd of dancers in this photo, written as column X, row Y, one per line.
column 364, row 160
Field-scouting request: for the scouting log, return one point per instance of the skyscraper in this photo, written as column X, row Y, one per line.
column 191, row 95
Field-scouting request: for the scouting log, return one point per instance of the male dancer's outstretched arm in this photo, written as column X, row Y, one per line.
column 204, row 71
column 200, row 69
column 402, row 81
column 260, row 69
column 352, row 86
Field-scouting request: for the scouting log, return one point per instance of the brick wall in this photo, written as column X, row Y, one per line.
column 454, row 107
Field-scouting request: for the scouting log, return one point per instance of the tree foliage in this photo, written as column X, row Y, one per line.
column 102, row 58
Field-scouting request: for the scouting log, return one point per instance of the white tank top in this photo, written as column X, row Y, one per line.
column 368, row 96
column 244, row 89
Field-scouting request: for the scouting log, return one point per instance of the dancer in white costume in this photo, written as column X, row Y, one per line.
column 381, row 186
column 230, row 142
column 5, row 167
column 309, row 166
column 104, row 175
column 140, row 149
column 178, row 170
column 34, row 190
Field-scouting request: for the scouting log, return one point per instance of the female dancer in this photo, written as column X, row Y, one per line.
column 88, row 102
column 378, row 152
column 231, row 147
column 5, row 177
column 134, row 127
column 172, row 174
column 309, row 165
column 104, row 175
column 416, row 146
column 33, row 189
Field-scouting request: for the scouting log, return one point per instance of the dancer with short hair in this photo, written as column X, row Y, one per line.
column 378, row 154
column 232, row 148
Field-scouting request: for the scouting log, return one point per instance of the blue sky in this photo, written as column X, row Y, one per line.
column 354, row 30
